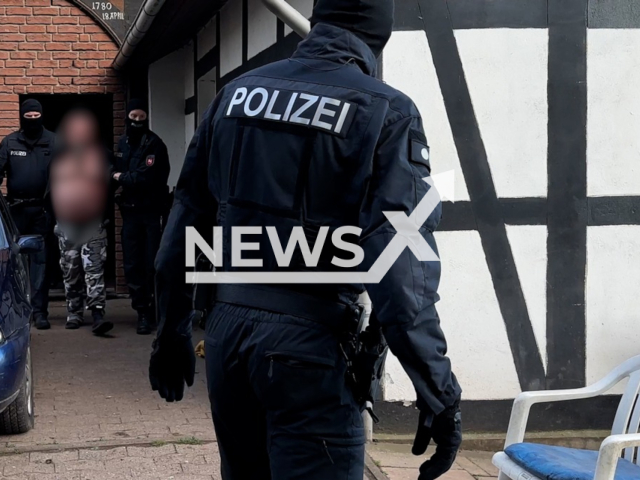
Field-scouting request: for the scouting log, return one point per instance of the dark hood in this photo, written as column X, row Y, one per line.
column 335, row 44
column 135, row 130
column 369, row 20
column 31, row 127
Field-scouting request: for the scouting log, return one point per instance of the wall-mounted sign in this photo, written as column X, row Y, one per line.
column 115, row 15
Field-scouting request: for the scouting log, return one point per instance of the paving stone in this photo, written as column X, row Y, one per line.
column 483, row 460
column 53, row 457
column 108, row 454
column 151, row 452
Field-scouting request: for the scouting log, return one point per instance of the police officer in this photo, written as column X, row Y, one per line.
column 314, row 141
column 141, row 168
column 24, row 159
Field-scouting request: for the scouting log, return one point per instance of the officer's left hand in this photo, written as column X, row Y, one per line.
column 446, row 432
column 173, row 363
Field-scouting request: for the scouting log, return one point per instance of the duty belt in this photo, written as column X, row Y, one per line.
column 25, row 201
column 287, row 302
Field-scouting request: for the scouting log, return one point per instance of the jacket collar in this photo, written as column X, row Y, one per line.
column 327, row 42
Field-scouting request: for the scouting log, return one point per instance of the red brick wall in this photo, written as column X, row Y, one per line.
column 51, row 46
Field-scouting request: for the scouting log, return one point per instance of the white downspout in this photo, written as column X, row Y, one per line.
column 138, row 30
column 281, row 9
column 299, row 24
column 289, row 15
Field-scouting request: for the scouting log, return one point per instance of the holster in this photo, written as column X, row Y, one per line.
column 203, row 294
column 365, row 352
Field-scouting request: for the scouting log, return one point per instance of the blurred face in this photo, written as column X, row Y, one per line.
column 138, row 115
column 80, row 128
column 32, row 115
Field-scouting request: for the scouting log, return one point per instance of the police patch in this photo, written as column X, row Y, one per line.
column 151, row 160
column 327, row 114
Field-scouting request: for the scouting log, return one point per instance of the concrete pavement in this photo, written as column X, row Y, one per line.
column 97, row 418
column 396, row 462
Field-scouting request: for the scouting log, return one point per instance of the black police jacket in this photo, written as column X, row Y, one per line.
column 26, row 165
column 144, row 172
column 316, row 141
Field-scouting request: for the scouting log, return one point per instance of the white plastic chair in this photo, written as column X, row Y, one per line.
column 624, row 438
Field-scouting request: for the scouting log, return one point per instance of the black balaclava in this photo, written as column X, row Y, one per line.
column 369, row 20
column 31, row 127
column 135, row 130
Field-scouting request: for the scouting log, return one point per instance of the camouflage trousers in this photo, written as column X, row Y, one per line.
column 83, row 272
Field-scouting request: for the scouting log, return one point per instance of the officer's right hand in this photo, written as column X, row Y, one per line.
column 446, row 432
column 173, row 363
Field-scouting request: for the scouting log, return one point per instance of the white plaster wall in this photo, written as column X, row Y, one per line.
column 262, row 28
column 230, row 37
column 613, row 116
column 207, row 38
column 166, row 105
column 408, row 66
column 471, row 319
column 189, row 72
column 613, row 283
column 206, row 92
column 506, row 71
column 529, row 247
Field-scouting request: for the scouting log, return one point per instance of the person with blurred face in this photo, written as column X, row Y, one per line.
column 79, row 189
column 141, row 168
column 24, row 159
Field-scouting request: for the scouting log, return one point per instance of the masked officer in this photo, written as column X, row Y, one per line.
column 24, row 159
column 313, row 142
column 141, row 168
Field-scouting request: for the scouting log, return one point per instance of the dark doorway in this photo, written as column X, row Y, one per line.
column 54, row 108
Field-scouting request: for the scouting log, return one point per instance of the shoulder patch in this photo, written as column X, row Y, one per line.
column 151, row 159
column 420, row 153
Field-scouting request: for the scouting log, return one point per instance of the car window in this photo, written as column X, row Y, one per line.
column 9, row 229
column 4, row 241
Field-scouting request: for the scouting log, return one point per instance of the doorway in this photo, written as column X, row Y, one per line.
column 54, row 108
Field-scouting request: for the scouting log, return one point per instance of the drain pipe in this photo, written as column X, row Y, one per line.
column 138, row 30
column 289, row 15
column 299, row 24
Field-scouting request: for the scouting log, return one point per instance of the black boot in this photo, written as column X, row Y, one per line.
column 74, row 321
column 41, row 323
column 100, row 325
column 145, row 326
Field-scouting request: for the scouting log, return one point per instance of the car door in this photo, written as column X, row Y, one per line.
column 21, row 270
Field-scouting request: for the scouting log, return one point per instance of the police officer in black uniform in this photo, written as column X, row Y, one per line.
column 141, row 168
column 313, row 141
column 24, row 159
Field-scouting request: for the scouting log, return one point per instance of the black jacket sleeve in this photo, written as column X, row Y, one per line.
column 193, row 206
column 404, row 300
column 155, row 174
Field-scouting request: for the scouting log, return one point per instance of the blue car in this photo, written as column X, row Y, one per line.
column 16, row 379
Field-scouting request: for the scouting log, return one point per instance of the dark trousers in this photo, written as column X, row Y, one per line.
column 34, row 221
column 141, row 235
column 280, row 403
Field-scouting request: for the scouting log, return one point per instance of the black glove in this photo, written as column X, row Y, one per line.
column 173, row 363
column 446, row 432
